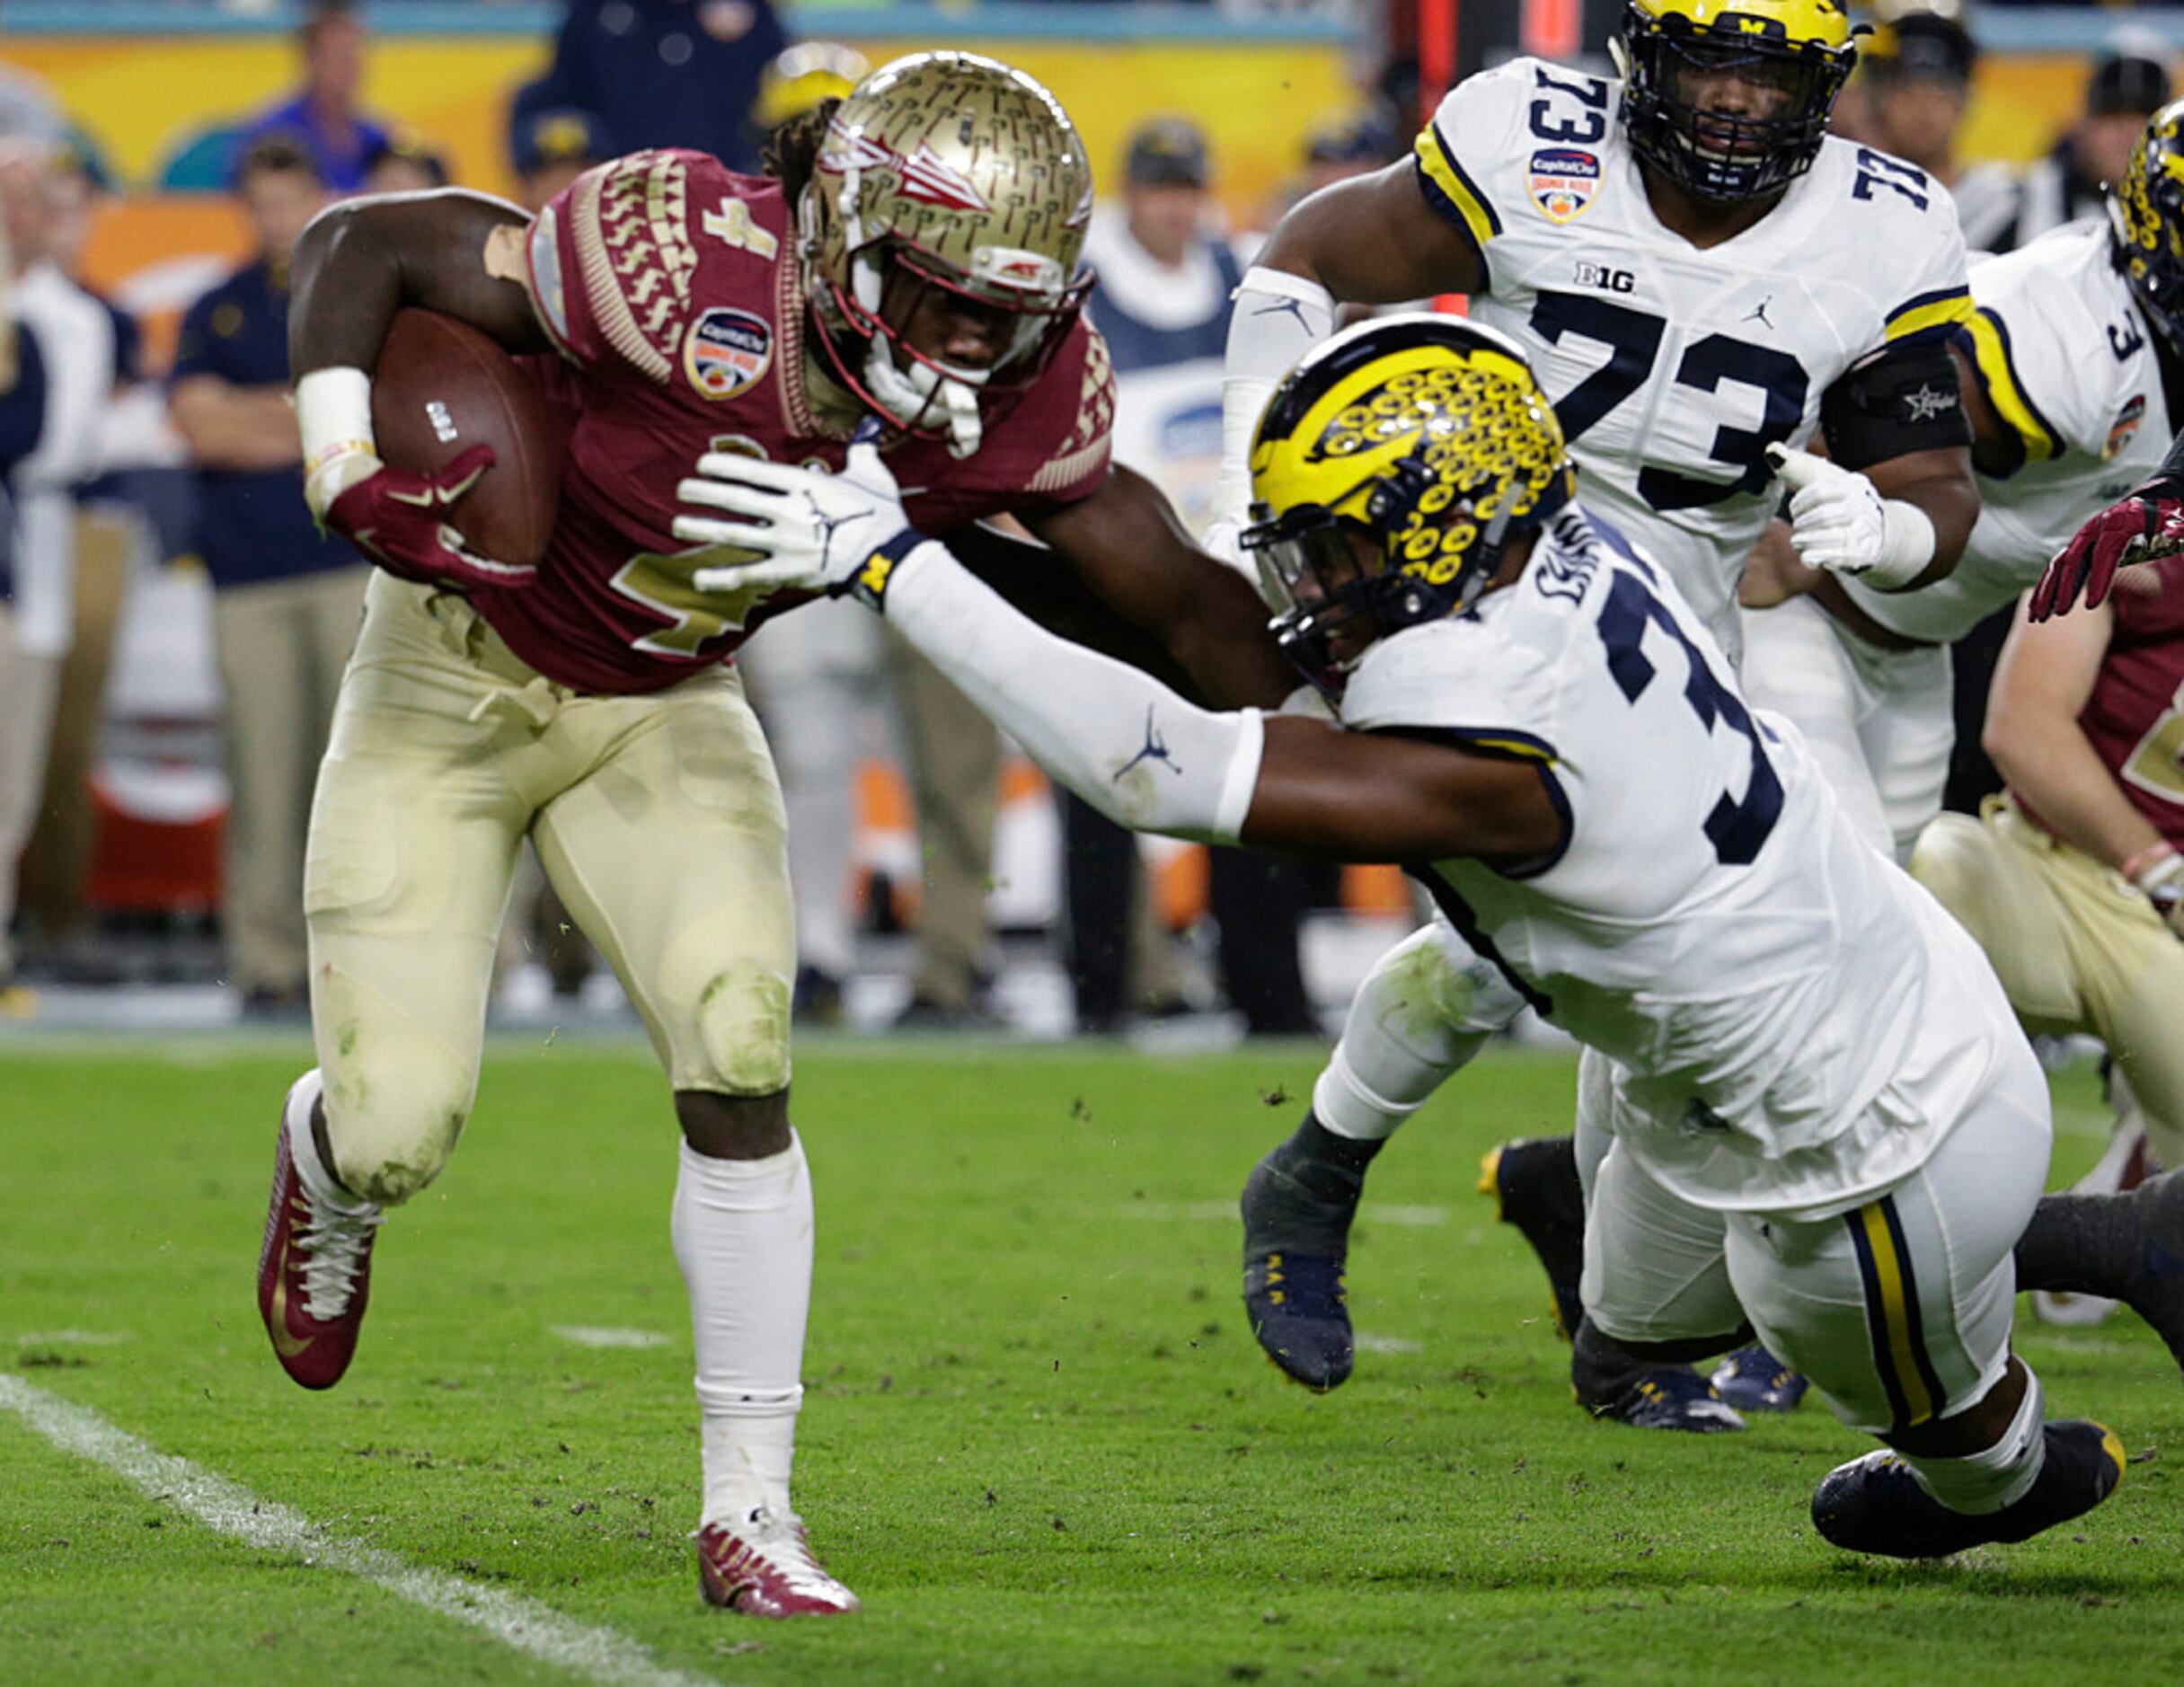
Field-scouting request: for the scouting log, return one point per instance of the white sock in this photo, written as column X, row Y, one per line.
column 743, row 1239
column 319, row 1182
column 1410, row 1025
column 1986, row 1482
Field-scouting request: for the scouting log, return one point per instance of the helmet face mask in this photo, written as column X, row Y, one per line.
column 1392, row 468
column 2146, row 219
column 1730, row 99
column 951, row 182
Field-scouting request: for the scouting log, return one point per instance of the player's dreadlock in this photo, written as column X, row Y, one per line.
column 792, row 150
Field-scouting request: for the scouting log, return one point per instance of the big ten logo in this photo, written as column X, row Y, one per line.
column 1605, row 278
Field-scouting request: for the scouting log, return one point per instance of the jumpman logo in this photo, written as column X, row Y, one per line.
column 1156, row 750
column 1758, row 312
column 1294, row 307
column 824, row 526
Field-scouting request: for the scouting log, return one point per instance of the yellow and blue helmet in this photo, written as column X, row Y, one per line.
column 2147, row 215
column 1795, row 54
column 1425, row 436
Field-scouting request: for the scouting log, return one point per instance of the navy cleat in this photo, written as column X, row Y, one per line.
column 1534, row 1185
column 1300, row 1315
column 1669, row 1397
column 1298, row 1208
column 1754, row 1380
column 1876, row 1504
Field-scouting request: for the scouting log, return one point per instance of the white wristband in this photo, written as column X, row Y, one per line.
column 1277, row 318
column 333, row 413
column 1906, row 546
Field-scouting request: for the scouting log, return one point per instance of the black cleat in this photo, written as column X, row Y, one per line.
column 1534, row 1185
column 1875, row 1505
column 1670, row 1396
column 1298, row 1208
column 1754, row 1380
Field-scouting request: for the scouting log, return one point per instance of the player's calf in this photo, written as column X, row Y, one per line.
column 2128, row 1247
column 1536, row 1188
column 1298, row 1208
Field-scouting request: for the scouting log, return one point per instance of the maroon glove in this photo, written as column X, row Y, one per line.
column 2149, row 523
column 399, row 519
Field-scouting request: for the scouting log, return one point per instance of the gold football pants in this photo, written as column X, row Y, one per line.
column 656, row 817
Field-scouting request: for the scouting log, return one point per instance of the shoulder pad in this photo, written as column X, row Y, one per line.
column 628, row 227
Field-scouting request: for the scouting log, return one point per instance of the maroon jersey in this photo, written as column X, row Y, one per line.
column 670, row 286
column 2135, row 716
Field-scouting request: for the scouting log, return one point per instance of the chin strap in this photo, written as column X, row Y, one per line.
column 911, row 396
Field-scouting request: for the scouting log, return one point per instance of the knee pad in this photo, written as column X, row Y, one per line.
column 393, row 1121
column 743, row 1026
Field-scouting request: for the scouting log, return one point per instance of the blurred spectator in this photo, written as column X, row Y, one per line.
column 23, row 678
column 325, row 116
column 551, row 146
column 1162, row 303
column 1334, row 151
column 1917, row 71
column 668, row 73
column 287, row 597
column 75, row 337
column 802, row 76
column 109, row 533
column 406, row 162
column 2128, row 84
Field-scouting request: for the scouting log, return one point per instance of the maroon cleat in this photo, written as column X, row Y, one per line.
column 762, row 1566
column 314, row 1272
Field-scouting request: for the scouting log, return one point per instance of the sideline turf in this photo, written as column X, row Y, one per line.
column 1039, row 1442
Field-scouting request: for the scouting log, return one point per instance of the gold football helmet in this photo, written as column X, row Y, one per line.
column 952, row 170
column 1389, row 471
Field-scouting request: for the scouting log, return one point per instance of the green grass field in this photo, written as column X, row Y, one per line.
column 1039, row 1440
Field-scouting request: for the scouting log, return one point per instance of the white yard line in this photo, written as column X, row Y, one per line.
column 608, row 1336
column 537, row 1631
column 1224, row 1211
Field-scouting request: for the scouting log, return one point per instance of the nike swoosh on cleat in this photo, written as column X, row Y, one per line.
column 289, row 1346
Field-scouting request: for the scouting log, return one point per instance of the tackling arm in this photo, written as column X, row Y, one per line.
column 1125, row 543
column 1145, row 758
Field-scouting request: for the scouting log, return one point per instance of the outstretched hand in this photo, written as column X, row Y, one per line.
column 806, row 529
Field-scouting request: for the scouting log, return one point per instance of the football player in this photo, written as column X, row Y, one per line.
column 1700, row 272
column 911, row 267
column 1819, row 1115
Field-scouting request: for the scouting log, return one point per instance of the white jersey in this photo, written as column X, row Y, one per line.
column 2065, row 357
column 1794, row 1024
column 1673, row 368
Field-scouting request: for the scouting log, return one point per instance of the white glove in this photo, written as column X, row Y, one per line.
column 1839, row 521
column 805, row 528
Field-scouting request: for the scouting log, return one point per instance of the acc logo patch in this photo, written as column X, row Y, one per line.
column 2126, row 424
column 725, row 352
column 1563, row 181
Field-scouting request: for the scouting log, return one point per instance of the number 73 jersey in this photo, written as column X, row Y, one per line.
column 1674, row 367
column 1792, row 1020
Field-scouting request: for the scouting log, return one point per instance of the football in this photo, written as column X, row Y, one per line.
column 441, row 387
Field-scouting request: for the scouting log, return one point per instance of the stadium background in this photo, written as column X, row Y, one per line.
column 156, row 85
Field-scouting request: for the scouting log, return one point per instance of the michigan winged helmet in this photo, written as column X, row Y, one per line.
column 1793, row 56
column 2146, row 214
column 1389, row 471
column 950, row 171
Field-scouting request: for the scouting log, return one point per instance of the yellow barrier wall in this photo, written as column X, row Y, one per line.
column 139, row 96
